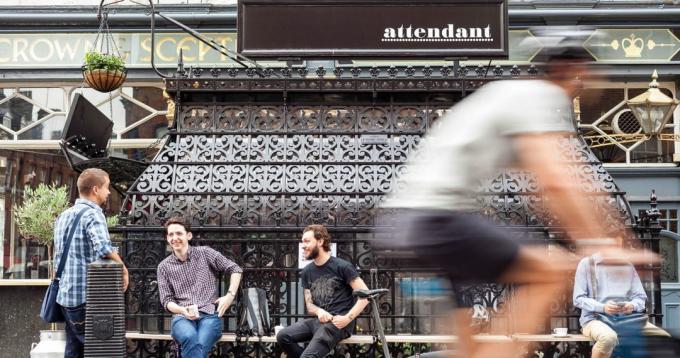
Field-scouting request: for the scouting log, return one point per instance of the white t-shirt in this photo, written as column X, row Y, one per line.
column 474, row 140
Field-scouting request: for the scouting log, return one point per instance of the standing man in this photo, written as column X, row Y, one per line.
column 505, row 124
column 188, row 277
column 90, row 242
column 328, row 283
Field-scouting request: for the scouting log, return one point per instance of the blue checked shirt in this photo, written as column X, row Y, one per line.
column 90, row 242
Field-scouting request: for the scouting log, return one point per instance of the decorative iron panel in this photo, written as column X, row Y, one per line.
column 251, row 175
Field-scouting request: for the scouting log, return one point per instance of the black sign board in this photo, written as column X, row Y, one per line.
column 372, row 28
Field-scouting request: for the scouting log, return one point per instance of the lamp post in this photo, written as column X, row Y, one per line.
column 653, row 108
column 649, row 228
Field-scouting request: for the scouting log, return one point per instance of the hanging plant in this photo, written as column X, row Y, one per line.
column 104, row 68
column 103, row 72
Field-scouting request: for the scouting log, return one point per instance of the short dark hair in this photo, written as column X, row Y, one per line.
column 320, row 233
column 178, row 220
column 89, row 178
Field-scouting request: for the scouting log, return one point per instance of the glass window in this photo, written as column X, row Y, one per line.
column 40, row 113
column 136, row 112
column 668, row 247
column 669, row 254
column 32, row 113
column 603, row 110
column 23, row 258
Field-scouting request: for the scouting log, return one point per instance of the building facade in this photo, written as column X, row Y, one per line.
column 41, row 51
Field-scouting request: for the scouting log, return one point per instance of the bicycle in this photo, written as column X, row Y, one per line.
column 372, row 296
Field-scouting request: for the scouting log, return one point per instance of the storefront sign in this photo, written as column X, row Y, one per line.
column 371, row 28
column 68, row 50
column 633, row 45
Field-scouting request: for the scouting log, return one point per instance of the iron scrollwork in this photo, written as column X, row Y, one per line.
column 251, row 175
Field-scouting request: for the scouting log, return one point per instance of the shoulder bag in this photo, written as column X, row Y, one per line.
column 50, row 311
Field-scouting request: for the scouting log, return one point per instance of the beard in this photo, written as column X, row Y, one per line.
column 313, row 254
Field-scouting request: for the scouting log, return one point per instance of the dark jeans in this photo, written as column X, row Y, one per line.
column 75, row 331
column 322, row 338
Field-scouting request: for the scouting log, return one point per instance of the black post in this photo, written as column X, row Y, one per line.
column 105, row 317
column 379, row 327
column 650, row 229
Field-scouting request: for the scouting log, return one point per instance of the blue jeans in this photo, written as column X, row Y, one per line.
column 196, row 338
column 74, row 326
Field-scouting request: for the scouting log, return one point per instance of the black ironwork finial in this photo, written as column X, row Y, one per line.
column 650, row 218
column 462, row 71
column 480, row 70
column 180, row 64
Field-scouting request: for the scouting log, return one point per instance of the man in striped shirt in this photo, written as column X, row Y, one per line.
column 90, row 242
column 188, row 278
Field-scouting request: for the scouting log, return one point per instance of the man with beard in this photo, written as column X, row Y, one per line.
column 328, row 283
column 90, row 242
column 187, row 287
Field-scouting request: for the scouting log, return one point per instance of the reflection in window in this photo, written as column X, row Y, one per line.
column 22, row 258
column 32, row 113
column 604, row 110
column 135, row 111
column 669, row 255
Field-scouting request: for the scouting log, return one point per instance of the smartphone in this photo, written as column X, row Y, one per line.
column 620, row 304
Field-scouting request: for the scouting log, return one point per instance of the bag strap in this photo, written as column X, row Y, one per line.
column 593, row 276
column 253, row 314
column 67, row 243
column 264, row 308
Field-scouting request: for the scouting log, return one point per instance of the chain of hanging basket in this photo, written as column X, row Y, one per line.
column 104, row 69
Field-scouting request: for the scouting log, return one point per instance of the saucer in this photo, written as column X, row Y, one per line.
column 560, row 335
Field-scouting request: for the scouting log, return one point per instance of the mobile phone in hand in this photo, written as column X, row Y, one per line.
column 620, row 304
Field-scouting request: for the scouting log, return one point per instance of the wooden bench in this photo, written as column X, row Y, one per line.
column 550, row 338
column 363, row 339
column 395, row 338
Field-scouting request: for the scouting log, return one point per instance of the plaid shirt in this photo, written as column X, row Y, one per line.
column 193, row 281
column 90, row 242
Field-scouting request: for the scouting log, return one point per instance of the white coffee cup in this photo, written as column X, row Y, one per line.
column 562, row 331
column 277, row 329
column 193, row 310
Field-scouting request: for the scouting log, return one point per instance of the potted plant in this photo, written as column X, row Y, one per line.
column 104, row 72
column 37, row 213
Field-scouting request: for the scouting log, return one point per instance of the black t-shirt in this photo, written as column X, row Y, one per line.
column 329, row 284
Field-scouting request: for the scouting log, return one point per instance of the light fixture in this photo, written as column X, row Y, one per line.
column 653, row 108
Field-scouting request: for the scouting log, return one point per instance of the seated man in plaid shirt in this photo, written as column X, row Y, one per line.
column 188, row 277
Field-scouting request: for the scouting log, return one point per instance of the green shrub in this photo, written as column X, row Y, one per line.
column 100, row 61
column 112, row 221
column 37, row 213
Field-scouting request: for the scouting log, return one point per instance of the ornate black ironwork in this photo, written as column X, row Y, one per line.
column 252, row 173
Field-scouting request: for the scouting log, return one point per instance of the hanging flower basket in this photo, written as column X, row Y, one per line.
column 104, row 80
column 104, row 68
